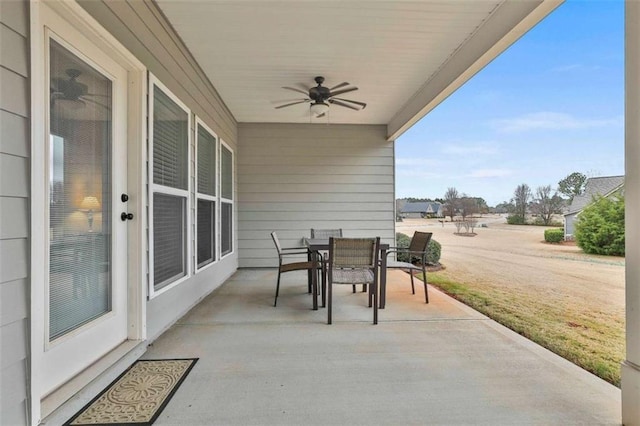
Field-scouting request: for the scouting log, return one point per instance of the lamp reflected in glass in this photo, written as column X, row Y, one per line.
column 90, row 205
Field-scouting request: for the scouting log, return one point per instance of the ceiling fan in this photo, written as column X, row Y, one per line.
column 320, row 97
column 70, row 89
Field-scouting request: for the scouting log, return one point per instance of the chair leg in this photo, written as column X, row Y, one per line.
column 424, row 280
column 329, row 295
column 324, row 286
column 354, row 288
column 374, row 290
column 277, row 289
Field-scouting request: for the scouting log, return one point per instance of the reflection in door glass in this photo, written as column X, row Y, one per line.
column 79, row 192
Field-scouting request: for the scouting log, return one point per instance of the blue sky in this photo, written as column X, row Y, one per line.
column 550, row 105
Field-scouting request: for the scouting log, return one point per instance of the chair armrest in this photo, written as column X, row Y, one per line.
column 403, row 250
column 291, row 253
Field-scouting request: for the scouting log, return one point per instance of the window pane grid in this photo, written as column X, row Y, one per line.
column 171, row 197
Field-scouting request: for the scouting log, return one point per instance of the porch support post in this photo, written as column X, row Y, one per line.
column 631, row 365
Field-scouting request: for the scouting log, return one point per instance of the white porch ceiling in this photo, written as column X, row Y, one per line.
column 404, row 56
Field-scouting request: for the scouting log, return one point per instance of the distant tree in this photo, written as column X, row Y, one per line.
column 504, row 207
column 521, row 197
column 546, row 204
column 482, row 205
column 468, row 206
column 572, row 185
column 451, row 202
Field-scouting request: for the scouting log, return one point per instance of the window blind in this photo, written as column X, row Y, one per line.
column 79, row 168
column 170, row 142
column 169, row 242
column 206, row 238
column 226, row 175
column 206, row 162
column 227, row 228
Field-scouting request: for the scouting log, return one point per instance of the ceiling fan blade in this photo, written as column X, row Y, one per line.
column 342, row 104
column 295, row 89
column 362, row 104
column 339, row 86
column 91, row 101
column 292, row 103
column 340, row 92
column 285, row 101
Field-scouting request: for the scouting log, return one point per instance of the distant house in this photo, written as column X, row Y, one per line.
column 599, row 186
column 422, row 209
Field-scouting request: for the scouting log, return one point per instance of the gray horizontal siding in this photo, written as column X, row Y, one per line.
column 14, row 304
column 14, row 134
column 14, row 210
column 141, row 28
column 292, row 178
column 13, row 389
column 144, row 31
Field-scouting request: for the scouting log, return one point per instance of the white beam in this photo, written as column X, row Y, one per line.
column 508, row 23
column 631, row 365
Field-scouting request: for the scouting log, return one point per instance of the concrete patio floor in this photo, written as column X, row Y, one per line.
column 436, row 364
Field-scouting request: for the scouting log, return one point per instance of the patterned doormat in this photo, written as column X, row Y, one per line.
column 138, row 396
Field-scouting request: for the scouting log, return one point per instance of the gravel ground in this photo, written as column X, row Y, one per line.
column 518, row 258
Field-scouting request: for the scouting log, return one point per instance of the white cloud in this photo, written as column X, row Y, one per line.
column 551, row 121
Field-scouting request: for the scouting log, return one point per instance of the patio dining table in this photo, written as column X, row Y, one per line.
column 322, row 244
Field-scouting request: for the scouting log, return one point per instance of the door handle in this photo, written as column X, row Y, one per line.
column 126, row 216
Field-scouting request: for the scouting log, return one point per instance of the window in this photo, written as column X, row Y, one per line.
column 206, row 192
column 226, row 200
column 169, row 153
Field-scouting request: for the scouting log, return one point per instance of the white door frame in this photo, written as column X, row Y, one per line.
column 58, row 15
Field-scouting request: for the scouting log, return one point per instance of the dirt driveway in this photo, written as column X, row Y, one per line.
column 517, row 257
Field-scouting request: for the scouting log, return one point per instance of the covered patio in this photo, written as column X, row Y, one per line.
column 222, row 68
column 441, row 363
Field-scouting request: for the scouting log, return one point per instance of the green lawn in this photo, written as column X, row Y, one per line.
column 594, row 340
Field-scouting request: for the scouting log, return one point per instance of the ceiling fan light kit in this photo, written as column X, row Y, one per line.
column 319, row 108
column 321, row 98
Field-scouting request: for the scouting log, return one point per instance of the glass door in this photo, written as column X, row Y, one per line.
column 79, row 193
column 86, row 151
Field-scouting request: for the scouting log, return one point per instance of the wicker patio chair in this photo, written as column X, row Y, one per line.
column 308, row 265
column 325, row 234
column 353, row 261
column 417, row 248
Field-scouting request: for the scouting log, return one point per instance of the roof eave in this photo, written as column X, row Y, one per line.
column 510, row 21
